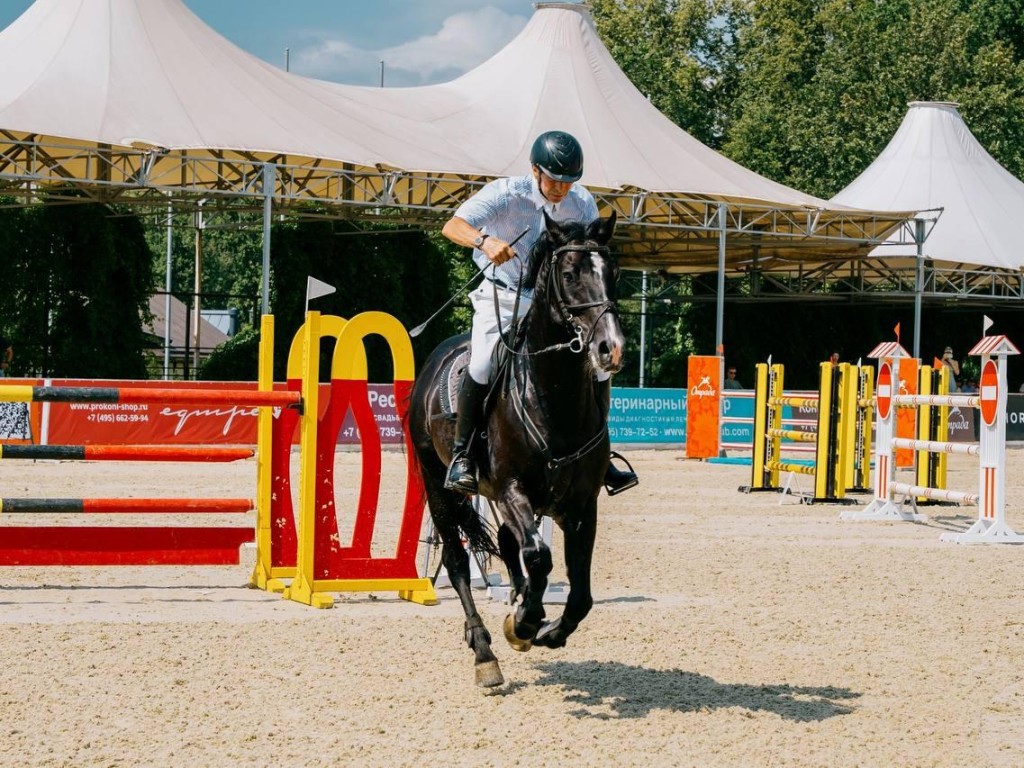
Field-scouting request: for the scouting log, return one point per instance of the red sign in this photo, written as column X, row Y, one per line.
column 989, row 392
column 884, row 390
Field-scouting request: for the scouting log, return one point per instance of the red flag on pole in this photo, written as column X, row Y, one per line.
column 896, row 330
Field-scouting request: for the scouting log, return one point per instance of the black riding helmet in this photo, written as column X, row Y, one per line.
column 559, row 155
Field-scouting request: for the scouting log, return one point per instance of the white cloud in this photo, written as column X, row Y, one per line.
column 465, row 40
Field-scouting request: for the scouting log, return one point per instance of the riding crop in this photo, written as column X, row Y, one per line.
column 423, row 326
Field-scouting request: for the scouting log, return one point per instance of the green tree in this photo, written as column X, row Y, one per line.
column 405, row 273
column 78, row 283
column 680, row 53
column 826, row 83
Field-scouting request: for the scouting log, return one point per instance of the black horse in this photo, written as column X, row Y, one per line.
column 544, row 450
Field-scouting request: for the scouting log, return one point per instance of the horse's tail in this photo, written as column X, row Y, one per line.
column 480, row 534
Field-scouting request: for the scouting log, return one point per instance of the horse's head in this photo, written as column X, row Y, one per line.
column 574, row 276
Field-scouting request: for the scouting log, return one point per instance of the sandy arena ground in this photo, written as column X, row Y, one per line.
column 728, row 630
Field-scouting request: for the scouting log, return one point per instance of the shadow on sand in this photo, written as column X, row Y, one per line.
column 610, row 690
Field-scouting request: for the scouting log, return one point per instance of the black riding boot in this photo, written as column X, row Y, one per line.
column 615, row 479
column 462, row 470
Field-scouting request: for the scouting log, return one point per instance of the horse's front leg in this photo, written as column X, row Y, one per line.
column 580, row 533
column 535, row 556
column 456, row 561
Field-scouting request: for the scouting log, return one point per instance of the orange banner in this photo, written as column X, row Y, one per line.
column 906, row 418
column 703, row 406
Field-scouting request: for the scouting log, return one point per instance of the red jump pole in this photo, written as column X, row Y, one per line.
column 124, row 506
column 124, row 453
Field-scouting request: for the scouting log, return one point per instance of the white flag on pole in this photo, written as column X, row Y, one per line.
column 986, row 324
column 316, row 288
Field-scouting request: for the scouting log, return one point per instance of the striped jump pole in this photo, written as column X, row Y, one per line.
column 22, row 393
column 124, row 453
column 125, row 506
column 891, row 496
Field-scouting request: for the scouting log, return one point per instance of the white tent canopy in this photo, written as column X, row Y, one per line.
column 150, row 72
column 933, row 161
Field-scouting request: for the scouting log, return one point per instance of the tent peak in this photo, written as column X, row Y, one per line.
column 582, row 7
column 954, row 105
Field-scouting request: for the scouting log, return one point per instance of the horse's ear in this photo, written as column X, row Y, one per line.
column 552, row 227
column 602, row 229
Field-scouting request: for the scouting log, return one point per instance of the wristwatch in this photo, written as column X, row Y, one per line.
column 479, row 242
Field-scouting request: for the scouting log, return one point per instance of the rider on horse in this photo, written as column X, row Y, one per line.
column 488, row 222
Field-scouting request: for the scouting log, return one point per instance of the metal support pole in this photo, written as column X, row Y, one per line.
column 720, row 314
column 269, row 182
column 643, row 326
column 197, row 317
column 918, row 285
column 167, row 292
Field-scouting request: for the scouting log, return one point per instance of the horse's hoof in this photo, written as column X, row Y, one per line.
column 548, row 636
column 488, row 674
column 517, row 643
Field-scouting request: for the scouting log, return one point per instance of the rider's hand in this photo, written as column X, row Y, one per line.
column 498, row 251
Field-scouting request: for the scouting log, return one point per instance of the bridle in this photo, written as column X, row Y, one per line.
column 569, row 313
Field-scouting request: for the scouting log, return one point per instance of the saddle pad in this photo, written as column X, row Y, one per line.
column 451, row 375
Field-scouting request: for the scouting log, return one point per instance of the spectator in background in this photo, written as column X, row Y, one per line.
column 6, row 355
column 834, row 358
column 969, row 387
column 731, row 382
column 948, row 361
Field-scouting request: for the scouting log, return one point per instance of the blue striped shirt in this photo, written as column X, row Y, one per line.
column 505, row 207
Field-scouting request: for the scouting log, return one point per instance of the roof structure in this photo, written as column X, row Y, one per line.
column 935, row 164
column 210, row 336
column 139, row 101
column 888, row 349
column 994, row 345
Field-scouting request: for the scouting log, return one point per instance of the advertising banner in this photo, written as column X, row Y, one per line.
column 1014, row 418
column 647, row 415
column 637, row 416
column 704, row 398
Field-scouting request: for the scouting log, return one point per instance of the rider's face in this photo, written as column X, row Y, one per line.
column 555, row 191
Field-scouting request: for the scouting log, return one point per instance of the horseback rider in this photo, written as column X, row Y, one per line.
column 487, row 222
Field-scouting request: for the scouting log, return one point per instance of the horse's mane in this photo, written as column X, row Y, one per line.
column 567, row 231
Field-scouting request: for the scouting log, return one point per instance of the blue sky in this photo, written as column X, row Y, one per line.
column 420, row 41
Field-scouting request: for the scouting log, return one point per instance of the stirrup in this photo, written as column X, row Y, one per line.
column 461, row 474
column 615, row 480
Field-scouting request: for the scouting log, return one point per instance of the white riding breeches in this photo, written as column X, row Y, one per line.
column 485, row 325
column 485, row 328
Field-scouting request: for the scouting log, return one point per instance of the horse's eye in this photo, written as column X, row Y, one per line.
column 569, row 277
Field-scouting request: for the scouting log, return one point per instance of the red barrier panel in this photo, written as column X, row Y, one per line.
column 151, row 545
